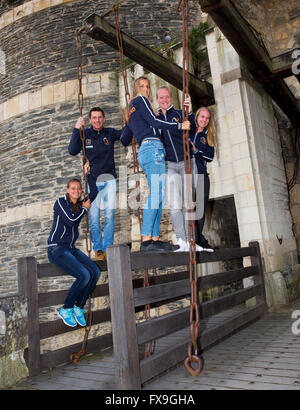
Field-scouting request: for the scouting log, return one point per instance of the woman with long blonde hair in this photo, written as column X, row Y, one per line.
column 146, row 126
column 203, row 143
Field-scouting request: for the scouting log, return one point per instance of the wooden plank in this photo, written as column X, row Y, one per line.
column 156, row 364
column 140, row 260
column 219, row 331
column 28, row 272
column 57, row 327
column 58, row 297
column 49, row 270
column 99, row 29
column 217, row 305
column 256, row 261
column 174, row 321
column 156, row 293
column 57, row 357
column 162, row 326
column 123, row 318
column 224, row 278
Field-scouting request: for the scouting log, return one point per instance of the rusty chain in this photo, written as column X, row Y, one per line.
column 148, row 345
column 194, row 312
column 76, row 356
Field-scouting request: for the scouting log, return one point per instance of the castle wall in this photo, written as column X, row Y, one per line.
column 249, row 163
column 38, row 109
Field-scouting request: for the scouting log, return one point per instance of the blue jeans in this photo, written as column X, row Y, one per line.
column 107, row 193
column 77, row 264
column 151, row 158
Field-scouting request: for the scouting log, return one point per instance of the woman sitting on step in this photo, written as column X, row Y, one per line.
column 68, row 212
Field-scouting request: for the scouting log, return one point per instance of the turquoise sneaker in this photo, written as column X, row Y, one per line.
column 79, row 316
column 67, row 316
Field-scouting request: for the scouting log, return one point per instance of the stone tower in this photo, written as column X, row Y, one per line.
column 38, row 108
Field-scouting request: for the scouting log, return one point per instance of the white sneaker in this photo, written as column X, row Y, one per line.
column 198, row 248
column 183, row 246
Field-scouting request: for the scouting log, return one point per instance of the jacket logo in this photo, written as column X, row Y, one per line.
column 175, row 119
column 88, row 142
column 131, row 111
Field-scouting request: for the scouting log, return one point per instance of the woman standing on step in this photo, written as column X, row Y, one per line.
column 68, row 212
column 203, row 142
column 146, row 126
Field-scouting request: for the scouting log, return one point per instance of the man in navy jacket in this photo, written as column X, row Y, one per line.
column 99, row 149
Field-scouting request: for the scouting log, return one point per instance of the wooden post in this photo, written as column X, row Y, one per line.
column 258, row 279
column 99, row 29
column 123, row 318
column 28, row 284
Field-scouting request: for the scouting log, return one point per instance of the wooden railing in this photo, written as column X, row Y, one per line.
column 131, row 372
column 29, row 273
column 128, row 296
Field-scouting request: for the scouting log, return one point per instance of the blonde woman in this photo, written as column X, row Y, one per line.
column 203, row 143
column 146, row 126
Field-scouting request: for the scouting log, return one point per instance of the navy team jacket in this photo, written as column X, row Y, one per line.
column 99, row 148
column 172, row 139
column 205, row 153
column 64, row 230
column 143, row 123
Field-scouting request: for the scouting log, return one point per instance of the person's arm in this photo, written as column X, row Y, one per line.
column 193, row 123
column 126, row 136
column 142, row 105
column 117, row 134
column 66, row 215
column 205, row 151
column 75, row 144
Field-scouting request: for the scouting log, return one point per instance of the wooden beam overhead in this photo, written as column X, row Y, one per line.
column 97, row 28
column 267, row 71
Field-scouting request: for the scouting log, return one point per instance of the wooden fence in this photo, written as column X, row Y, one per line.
column 131, row 372
column 129, row 296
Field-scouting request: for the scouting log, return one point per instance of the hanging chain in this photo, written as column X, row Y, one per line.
column 194, row 313
column 148, row 345
column 76, row 356
column 82, row 134
column 136, row 168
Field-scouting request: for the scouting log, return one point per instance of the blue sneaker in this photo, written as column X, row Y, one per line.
column 79, row 316
column 67, row 316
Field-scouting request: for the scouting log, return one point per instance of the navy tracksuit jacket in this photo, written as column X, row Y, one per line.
column 99, row 148
column 205, row 153
column 172, row 139
column 64, row 230
column 143, row 123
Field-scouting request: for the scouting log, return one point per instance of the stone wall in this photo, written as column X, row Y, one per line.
column 249, row 163
column 277, row 21
column 13, row 340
